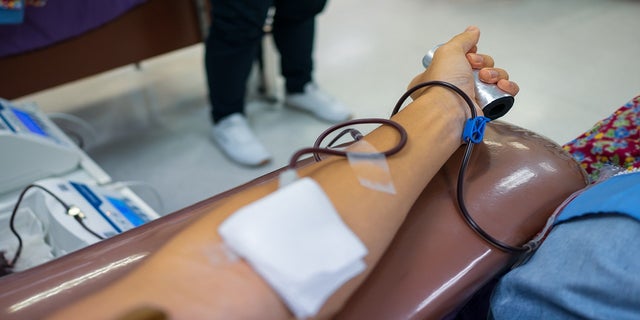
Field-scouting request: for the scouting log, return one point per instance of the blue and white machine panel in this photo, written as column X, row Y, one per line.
column 32, row 147
column 107, row 213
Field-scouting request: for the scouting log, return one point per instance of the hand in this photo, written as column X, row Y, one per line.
column 453, row 63
column 489, row 74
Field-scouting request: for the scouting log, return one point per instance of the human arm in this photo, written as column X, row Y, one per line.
column 182, row 279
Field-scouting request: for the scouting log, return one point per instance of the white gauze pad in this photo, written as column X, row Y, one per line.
column 297, row 242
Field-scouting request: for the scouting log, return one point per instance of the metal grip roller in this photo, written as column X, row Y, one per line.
column 494, row 102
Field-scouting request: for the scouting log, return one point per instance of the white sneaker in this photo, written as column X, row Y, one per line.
column 237, row 141
column 318, row 103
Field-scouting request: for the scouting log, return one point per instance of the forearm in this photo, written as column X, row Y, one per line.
column 182, row 272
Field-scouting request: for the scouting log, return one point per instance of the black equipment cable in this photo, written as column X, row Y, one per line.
column 463, row 168
column 78, row 217
column 316, row 149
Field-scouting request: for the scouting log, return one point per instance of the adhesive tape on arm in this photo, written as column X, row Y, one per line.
column 295, row 239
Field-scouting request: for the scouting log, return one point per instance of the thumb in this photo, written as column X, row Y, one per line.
column 468, row 39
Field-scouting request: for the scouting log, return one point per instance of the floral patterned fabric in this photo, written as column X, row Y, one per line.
column 12, row 11
column 11, row 4
column 612, row 141
column 18, row 4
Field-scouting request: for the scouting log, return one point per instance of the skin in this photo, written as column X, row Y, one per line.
column 190, row 278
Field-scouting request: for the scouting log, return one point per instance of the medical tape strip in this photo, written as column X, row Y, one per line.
column 295, row 239
column 370, row 167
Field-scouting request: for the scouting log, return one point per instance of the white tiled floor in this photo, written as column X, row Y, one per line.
column 575, row 60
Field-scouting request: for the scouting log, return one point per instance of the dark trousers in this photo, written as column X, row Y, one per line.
column 234, row 42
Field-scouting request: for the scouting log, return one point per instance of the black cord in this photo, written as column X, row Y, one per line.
column 15, row 211
column 355, row 134
column 316, row 149
column 84, row 226
column 448, row 85
column 463, row 168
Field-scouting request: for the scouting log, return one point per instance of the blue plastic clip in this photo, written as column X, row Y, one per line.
column 474, row 129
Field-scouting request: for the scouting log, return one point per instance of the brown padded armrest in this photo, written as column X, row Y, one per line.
column 515, row 180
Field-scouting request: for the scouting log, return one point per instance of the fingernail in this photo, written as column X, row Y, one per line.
column 471, row 28
column 493, row 73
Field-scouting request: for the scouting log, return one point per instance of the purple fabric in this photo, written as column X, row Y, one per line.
column 59, row 20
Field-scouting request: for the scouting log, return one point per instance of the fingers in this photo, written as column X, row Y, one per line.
column 489, row 74
column 509, row 87
column 500, row 77
column 492, row 75
column 479, row 61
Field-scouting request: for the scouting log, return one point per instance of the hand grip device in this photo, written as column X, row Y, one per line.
column 494, row 102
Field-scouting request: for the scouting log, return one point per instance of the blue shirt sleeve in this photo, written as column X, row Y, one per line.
column 618, row 194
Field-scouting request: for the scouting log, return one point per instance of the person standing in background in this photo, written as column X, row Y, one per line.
column 232, row 47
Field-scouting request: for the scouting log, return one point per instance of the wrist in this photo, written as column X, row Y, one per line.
column 449, row 104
